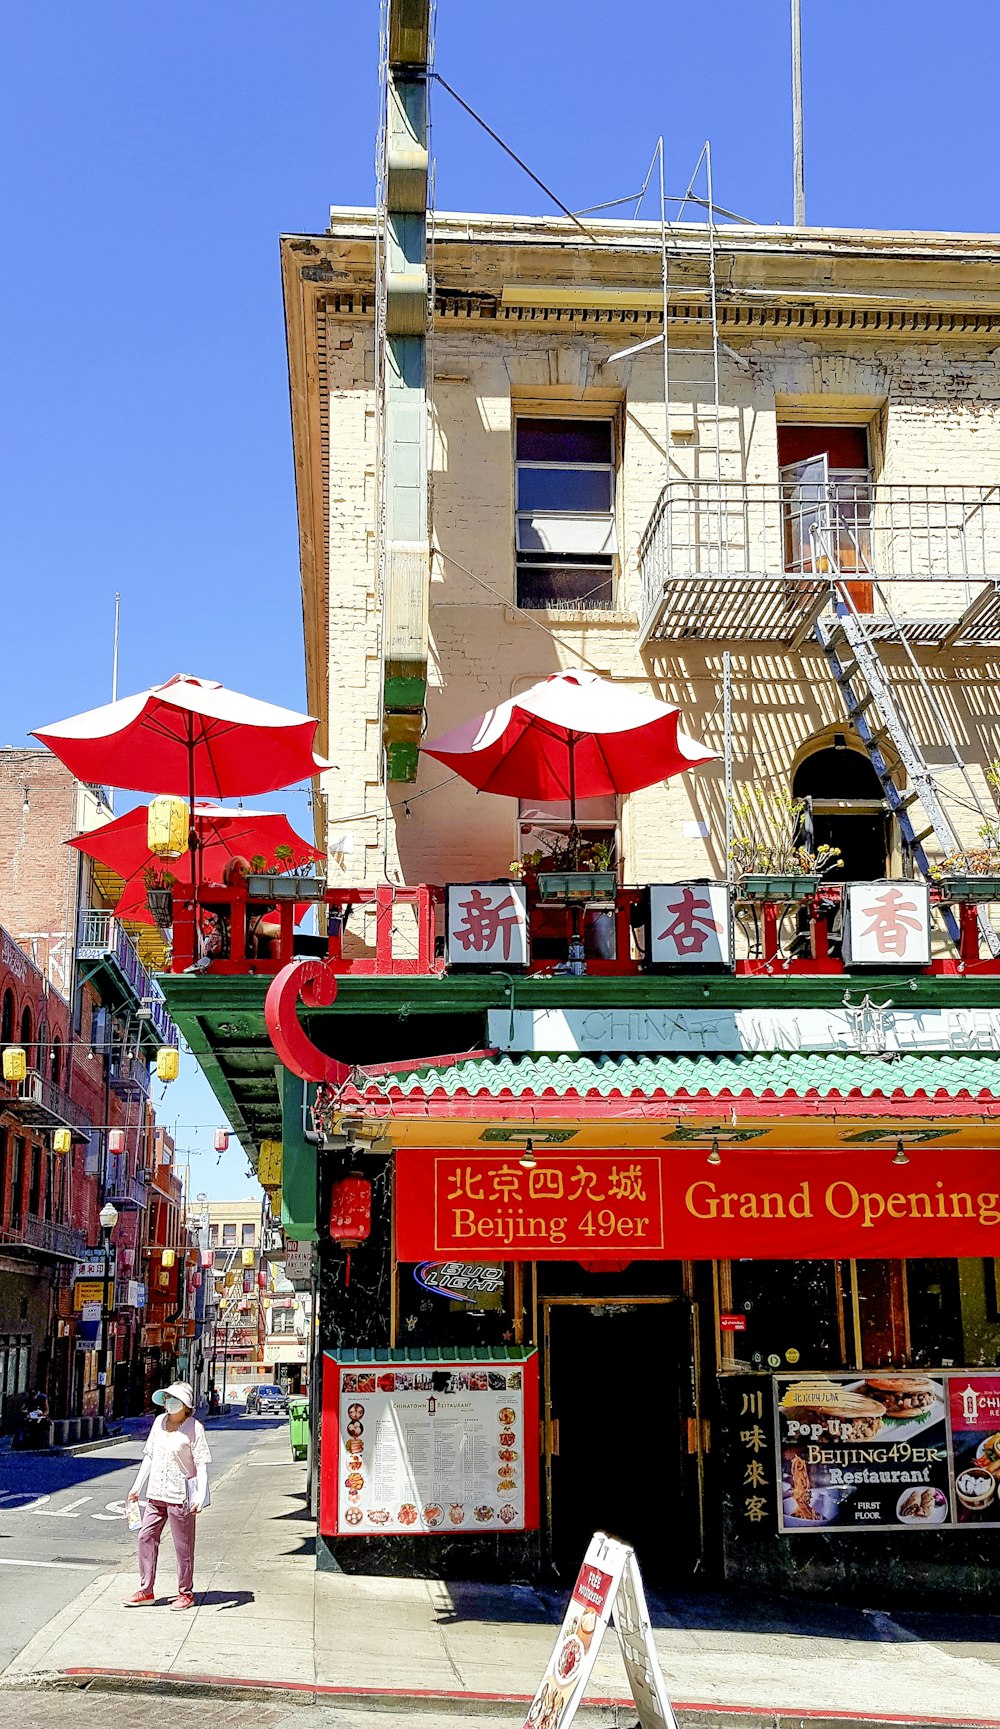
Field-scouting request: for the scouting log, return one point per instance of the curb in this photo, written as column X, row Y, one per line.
column 693, row 1715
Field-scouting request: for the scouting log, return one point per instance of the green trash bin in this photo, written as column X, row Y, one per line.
column 298, row 1425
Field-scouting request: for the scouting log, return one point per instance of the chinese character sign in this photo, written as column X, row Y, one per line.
column 487, row 924
column 888, row 924
column 689, row 923
column 473, row 1207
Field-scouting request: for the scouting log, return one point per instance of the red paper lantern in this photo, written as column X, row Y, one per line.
column 208, row 1257
column 248, row 1282
column 194, row 1280
column 221, row 1140
column 116, row 1140
column 262, row 1280
column 351, row 1211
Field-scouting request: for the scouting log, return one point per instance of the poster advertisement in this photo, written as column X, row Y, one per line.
column 974, row 1410
column 414, row 1447
column 862, row 1452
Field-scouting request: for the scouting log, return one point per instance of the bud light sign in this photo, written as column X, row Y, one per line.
column 460, row 1281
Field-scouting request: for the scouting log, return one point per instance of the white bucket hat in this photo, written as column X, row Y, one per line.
column 181, row 1390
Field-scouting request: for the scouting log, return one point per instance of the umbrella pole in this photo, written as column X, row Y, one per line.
column 574, row 833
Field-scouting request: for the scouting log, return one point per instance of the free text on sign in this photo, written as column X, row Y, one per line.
column 769, row 1205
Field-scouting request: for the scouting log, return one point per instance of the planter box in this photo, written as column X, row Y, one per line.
column 970, row 889
column 577, row 885
column 161, row 904
column 769, row 887
column 264, row 887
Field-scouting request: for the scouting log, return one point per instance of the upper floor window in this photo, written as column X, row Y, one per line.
column 826, row 496
column 213, row 1236
column 249, row 1236
column 229, row 1234
column 564, row 512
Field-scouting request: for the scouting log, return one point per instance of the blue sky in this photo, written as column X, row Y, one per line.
column 153, row 155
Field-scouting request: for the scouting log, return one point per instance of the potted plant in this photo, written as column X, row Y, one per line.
column 281, row 879
column 973, row 873
column 769, row 857
column 578, row 871
column 160, row 895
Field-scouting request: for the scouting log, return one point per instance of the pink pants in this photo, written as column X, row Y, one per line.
column 182, row 1526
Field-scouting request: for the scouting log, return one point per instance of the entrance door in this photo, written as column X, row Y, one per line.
column 618, row 1382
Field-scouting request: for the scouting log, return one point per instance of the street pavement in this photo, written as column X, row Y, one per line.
column 62, row 1520
column 293, row 1639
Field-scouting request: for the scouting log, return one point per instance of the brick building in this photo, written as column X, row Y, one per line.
column 103, row 1019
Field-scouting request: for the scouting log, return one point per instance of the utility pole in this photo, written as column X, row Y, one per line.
column 797, row 150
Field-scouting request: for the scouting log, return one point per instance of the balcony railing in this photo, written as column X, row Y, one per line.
column 758, row 561
column 103, row 938
column 46, row 1235
column 129, row 1076
column 770, row 933
column 125, row 1187
column 42, row 1104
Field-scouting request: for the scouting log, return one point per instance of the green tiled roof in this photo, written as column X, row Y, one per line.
column 832, row 1074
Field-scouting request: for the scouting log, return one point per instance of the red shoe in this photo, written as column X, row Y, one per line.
column 138, row 1600
column 184, row 1601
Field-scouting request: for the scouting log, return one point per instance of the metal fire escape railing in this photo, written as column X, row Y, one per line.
column 715, row 562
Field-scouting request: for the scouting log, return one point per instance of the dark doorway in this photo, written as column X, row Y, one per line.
column 618, row 1391
column 846, row 809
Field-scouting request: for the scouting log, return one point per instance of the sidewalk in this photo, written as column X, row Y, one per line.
column 266, row 1617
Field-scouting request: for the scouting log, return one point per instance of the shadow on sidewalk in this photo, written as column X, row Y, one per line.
column 224, row 1599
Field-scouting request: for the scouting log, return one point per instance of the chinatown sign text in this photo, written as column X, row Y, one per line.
column 867, row 1027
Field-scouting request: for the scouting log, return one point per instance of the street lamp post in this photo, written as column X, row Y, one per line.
column 109, row 1219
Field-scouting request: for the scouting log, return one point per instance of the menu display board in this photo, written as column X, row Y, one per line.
column 888, row 1450
column 974, row 1416
column 414, row 1447
column 862, row 1452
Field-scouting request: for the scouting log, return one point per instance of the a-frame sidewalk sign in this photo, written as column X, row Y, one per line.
column 608, row 1588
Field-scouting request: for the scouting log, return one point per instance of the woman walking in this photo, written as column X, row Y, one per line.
column 175, row 1466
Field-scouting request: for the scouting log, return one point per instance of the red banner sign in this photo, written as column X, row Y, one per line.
column 670, row 1206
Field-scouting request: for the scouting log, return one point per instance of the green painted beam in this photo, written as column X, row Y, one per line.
column 298, row 1165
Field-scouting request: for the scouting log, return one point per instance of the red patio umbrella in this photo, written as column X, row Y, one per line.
column 222, row 835
column 574, row 735
column 189, row 736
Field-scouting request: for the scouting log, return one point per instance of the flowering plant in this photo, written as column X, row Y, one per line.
column 768, row 836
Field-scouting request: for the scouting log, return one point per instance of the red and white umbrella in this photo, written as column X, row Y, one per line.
column 574, row 735
column 223, row 835
column 189, row 736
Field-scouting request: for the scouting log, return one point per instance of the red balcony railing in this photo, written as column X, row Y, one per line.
column 388, row 931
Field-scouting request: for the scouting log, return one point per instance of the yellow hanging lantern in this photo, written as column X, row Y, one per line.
column 164, row 1279
column 247, row 1257
column 62, row 1141
column 167, row 826
column 269, row 1164
column 15, row 1064
column 168, row 1258
column 168, row 1063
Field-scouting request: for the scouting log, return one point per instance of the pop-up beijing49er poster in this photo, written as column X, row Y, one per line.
column 609, row 1584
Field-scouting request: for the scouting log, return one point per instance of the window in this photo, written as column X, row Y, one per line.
column 7, row 1018
column 546, row 829
column 213, row 1236
column 826, row 496
column 17, row 1183
column 564, row 512
column 4, row 1162
column 35, row 1185
column 249, row 1236
column 229, row 1234
column 26, row 1035
column 282, row 1320
column 56, row 1061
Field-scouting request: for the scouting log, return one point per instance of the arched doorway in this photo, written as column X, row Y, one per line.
column 846, row 808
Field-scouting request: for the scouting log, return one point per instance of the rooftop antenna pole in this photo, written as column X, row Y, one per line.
column 114, row 680
column 799, row 164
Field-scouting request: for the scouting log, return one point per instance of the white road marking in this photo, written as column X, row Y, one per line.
column 116, row 1510
column 63, row 1512
column 70, row 1566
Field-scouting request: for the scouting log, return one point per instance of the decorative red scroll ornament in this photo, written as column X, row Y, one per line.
column 314, row 983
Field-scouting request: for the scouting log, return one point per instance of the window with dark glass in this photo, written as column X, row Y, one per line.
column 17, row 1182
column 35, row 1184
column 564, row 512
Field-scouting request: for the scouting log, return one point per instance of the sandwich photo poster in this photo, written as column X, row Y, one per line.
column 863, row 1452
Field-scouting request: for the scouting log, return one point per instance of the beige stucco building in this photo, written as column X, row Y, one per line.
column 662, row 538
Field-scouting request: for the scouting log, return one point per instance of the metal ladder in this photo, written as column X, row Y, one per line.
column 870, row 703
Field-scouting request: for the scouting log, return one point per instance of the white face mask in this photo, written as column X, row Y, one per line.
column 173, row 1405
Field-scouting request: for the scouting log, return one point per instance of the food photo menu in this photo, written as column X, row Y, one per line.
column 432, row 1448
column 894, row 1449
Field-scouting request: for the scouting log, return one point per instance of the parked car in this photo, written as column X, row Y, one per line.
column 266, row 1398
